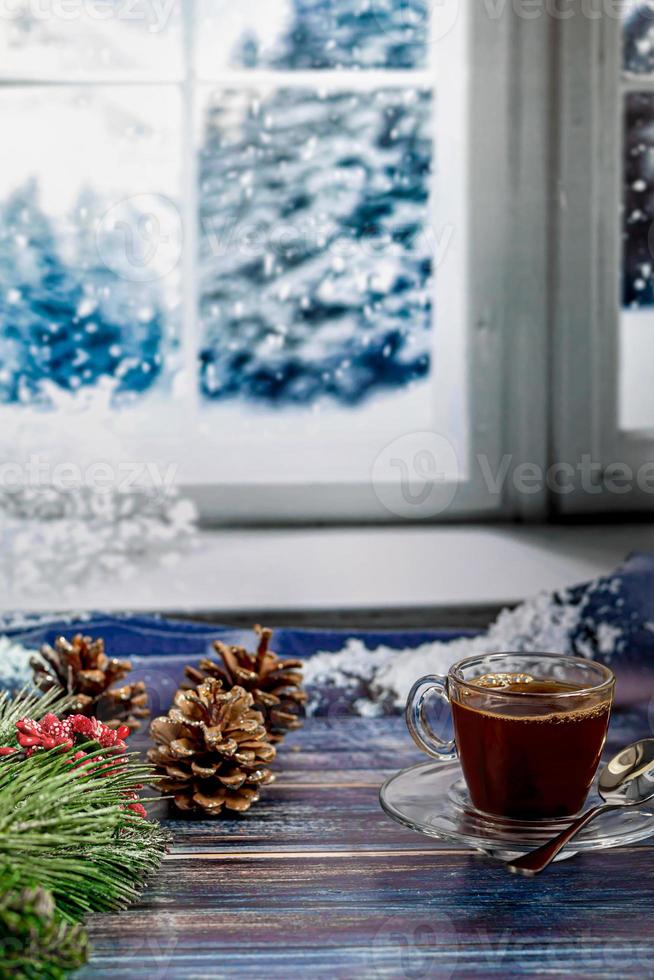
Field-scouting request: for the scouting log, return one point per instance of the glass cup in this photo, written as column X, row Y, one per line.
column 529, row 751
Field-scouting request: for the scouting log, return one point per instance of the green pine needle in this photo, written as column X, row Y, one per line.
column 68, row 845
column 69, row 825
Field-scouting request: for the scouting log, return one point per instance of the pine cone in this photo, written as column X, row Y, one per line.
column 82, row 669
column 211, row 748
column 274, row 684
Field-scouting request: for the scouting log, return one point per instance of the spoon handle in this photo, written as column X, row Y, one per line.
column 536, row 861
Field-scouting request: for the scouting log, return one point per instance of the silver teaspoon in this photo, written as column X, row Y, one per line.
column 627, row 780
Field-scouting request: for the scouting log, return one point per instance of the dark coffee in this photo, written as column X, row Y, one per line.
column 529, row 758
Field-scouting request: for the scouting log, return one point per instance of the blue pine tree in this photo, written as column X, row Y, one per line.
column 65, row 317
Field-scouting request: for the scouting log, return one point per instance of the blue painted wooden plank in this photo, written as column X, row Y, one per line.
column 389, row 915
column 315, row 881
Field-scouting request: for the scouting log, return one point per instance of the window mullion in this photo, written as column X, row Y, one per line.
column 637, row 83
column 190, row 340
column 587, row 255
column 362, row 80
column 98, row 81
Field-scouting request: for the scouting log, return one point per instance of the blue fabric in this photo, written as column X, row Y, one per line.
column 621, row 603
column 147, row 636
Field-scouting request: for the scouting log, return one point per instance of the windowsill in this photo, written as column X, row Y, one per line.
column 231, row 571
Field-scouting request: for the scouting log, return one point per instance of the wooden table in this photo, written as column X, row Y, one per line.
column 317, row 882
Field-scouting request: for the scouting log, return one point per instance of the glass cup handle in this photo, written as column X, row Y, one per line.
column 420, row 729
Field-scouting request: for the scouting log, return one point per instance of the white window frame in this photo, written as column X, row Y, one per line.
column 491, row 188
column 492, row 72
column 587, row 265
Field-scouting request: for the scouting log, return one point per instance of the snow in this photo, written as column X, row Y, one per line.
column 79, row 536
column 15, row 670
column 379, row 679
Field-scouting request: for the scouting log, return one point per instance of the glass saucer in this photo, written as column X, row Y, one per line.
column 433, row 799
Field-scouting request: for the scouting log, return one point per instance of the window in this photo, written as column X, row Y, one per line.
column 602, row 410
column 236, row 240
column 637, row 317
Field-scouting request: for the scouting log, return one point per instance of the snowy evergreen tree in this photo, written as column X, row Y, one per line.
column 65, row 316
column 315, row 256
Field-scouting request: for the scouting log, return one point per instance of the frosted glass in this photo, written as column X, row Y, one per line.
column 312, row 34
column 316, row 258
column 90, row 241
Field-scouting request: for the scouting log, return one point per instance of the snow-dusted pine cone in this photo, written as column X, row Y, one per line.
column 212, row 749
column 80, row 668
column 275, row 685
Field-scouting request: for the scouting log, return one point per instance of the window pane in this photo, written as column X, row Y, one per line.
column 312, row 34
column 89, row 241
column 52, row 38
column 315, row 248
column 639, row 36
column 637, row 321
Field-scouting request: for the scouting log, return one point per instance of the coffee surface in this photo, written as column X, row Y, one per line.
column 535, row 686
column 529, row 757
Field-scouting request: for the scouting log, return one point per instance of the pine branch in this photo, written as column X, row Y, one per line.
column 69, row 843
column 70, row 822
